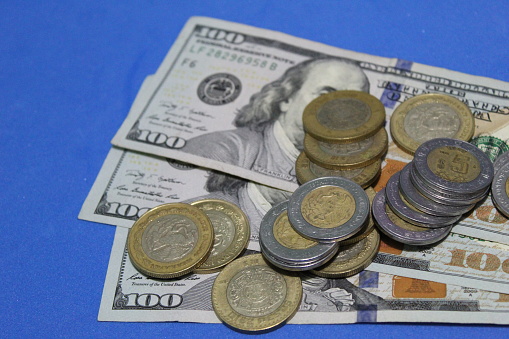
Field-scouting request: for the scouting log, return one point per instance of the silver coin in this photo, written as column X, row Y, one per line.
column 405, row 212
column 441, row 197
column 294, row 265
column 402, row 231
column 328, row 209
column 446, row 193
column 298, row 266
column 451, row 194
column 279, row 238
column 500, row 162
column 459, row 166
column 281, row 263
column 422, row 203
column 500, row 190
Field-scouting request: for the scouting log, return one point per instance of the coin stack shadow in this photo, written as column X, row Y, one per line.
column 345, row 137
column 325, row 227
column 421, row 203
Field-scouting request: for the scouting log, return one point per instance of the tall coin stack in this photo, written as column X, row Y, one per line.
column 325, row 226
column 344, row 138
column 421, row 203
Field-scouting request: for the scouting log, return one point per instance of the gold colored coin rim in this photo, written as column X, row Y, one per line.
column 410, row 145
column 355, row 265
column 321, row 132
column 241, row 237
column 231, row 317
column 162, row 270
column 370, row 155
column 304, row 173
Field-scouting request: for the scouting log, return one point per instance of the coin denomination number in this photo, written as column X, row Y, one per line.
column 460, row 164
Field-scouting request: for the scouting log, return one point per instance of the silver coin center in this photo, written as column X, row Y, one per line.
column 224, row 232
column 343, row 114
column 169, row 238
column 431, row 120
column 256, row 291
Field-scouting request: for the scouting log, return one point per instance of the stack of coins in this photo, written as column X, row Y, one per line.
column 344, row 138
column 421, row 203
column 326, row 219
column 428, row 116
column 285, row 248
column 174, row 239
column 500, row 184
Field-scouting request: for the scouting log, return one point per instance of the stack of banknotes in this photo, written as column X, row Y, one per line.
column 222, row 118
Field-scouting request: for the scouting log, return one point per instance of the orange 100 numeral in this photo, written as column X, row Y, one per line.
column 474, row 260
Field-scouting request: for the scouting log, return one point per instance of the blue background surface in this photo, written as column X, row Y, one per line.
column 69, row 71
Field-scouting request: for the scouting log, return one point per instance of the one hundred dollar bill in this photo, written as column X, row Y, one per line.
column 130, row 183
column 458, row 259
column 230, row 97
column 366, row 297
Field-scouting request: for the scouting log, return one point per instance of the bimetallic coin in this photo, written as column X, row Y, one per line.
column 343, row 116
column 250, row 295
column 398, row 229
column 351, row 259
column 429, row 116
column 231, row 233
column 170, row 240
column 348, row 155
column 501, row 161
column 422, row 203
column 432, row 187
column 328, row 209
column 500, row 190
column 369, row 225
column 453, row 165
column 409, row 213
column 296, row 266
column 306, row 170
column 441, row 197
column 282, row 242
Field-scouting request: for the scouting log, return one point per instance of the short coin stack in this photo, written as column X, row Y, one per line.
column 344, row 138
column 326, row 220
column 174, row 239
column 421, row 203
column 500, row 184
